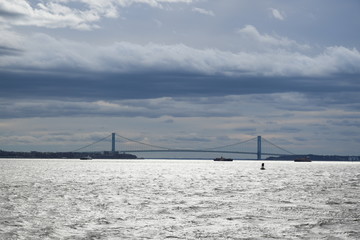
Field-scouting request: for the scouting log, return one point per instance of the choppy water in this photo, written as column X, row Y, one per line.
column 158, row 199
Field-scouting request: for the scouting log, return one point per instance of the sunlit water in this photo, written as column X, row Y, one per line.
column 178, row 199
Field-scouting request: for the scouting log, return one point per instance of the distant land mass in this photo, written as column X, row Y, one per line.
column 122, row 155
column 70, row 155
column 316, row 157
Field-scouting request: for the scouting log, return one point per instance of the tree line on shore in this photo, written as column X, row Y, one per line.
column 70, row 155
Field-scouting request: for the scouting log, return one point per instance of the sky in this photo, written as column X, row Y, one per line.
column 180, row 73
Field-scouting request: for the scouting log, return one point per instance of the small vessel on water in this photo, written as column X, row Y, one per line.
column 86, row 158
column 304, row 159
column 262, row 166
column 223, row 159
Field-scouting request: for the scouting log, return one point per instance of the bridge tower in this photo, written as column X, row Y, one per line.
column 113, row 142
column 259, row 148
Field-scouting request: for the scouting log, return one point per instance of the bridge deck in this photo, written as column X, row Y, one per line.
column 198, row 151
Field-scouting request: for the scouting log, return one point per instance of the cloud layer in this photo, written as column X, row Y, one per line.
column 194, row 70
column 76, row 14
column 271, row 56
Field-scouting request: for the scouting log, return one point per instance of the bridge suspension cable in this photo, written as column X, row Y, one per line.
column 76, row 150
column 142, row 143
column 165, row 148
column 231, row 145
column 291, row 153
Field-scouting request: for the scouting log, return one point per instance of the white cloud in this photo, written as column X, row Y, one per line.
column 338, row 59
column 264, row 41
column 10, row 39
column 277, row 14
column 50, row 15
column 59, row 14
column 265, row 55
column 44, row 52
column 203, row 11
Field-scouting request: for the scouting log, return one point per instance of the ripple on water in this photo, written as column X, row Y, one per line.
column 177, row 200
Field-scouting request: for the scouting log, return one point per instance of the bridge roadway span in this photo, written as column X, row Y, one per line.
column 194, row 150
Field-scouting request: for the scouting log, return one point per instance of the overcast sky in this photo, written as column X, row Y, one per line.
column 180, row 72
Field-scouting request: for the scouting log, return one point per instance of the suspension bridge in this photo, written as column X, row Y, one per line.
column 255, row 147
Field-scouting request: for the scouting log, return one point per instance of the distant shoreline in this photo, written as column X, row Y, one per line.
column 123, row 155
column 66, row 155
column 313, row 157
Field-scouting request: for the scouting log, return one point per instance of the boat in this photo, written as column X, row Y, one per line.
column 86, row 158
column 262, row 166
column 304, row 159
column 223, row 159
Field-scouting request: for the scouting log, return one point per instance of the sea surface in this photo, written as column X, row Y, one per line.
column 178, row 199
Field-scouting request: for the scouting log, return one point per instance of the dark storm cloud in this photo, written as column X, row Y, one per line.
column 154, row 85
column 153, row 96
column 5, row 50
column 10, row 14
